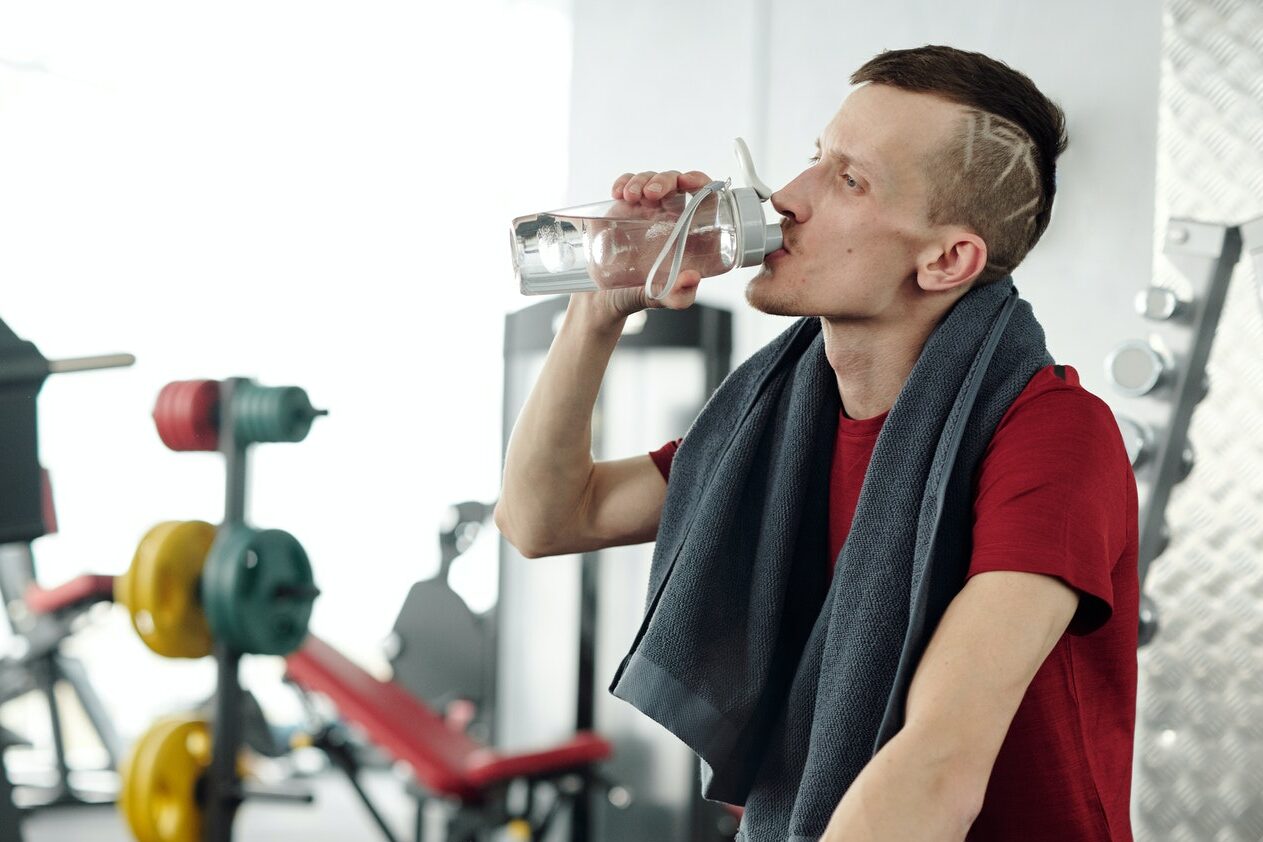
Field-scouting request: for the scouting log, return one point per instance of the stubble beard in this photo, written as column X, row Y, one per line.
column 767, row 300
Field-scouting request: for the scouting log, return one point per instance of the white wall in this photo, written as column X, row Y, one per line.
column 776, row 73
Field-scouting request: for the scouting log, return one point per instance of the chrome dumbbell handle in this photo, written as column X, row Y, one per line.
column 1159, row 304
column 1136, row 367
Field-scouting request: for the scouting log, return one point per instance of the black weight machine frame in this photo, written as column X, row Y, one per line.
column 530, row 331
column 41, row 666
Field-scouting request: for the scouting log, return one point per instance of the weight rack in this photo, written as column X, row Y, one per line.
column 223, row 790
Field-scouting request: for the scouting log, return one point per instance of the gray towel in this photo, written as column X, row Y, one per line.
column 784, row 684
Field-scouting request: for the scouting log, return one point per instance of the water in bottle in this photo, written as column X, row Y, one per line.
column 624, row 244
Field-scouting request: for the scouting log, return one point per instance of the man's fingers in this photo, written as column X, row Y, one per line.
column 636, row 185
column 685, row 290
column 661, row 185
column 694, row 179
column 651, row 186
column 620, row 183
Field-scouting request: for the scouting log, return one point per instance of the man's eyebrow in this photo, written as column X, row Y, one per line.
column 844, row 157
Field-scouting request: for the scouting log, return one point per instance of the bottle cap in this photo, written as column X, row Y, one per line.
column 755, row 237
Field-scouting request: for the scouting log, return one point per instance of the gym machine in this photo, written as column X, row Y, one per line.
column 429, row 717
column 485, row 789
column 40, row 619
column 588, row 606
column 439, row 649
column 1162, row 377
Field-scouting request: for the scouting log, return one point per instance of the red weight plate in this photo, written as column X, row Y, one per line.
column 162, row 416
column 186, row 415
column 203, row 404
column 182, row 417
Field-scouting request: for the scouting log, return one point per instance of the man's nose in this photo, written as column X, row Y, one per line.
column 782, row 206
column 778, row 203
column 791, row 201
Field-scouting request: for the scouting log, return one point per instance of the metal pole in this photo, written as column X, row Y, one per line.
column 223, row 791
column 48, row 678
column 235, row 462
column 73, row 672
column 90, row 363
column 10, row 815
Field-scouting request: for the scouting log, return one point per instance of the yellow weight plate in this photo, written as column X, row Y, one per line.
column 126, row 777
column 159, row 792
column 137, row 778
column 160, row 589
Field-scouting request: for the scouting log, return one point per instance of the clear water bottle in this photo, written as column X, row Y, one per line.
column 622, row 244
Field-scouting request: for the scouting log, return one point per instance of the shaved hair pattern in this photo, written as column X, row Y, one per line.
column 987, row 178
column 996, row 171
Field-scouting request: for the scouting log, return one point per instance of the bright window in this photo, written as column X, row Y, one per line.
column 315, row 194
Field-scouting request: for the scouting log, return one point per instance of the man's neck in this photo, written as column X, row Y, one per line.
column 872, row 361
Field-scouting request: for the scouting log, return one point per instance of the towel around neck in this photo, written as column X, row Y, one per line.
column 783, row 682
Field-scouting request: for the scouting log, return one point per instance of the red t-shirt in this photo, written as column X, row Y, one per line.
column 1055, row 494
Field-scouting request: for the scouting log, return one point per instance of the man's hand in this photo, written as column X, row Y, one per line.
column 650, row 188
column 646, row 190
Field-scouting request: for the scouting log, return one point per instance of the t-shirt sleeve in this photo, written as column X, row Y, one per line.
column 663, row 456
column 1051, row 499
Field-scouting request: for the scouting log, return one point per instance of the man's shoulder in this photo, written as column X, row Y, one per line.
column 1056, row 419
column 1055, row 395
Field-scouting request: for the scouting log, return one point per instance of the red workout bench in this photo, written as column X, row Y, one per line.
column 445, row 761
column 80, row 591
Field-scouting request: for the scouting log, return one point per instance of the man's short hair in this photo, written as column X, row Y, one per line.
column 997, row 174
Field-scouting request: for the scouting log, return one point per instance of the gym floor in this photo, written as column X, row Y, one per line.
column 336, row 816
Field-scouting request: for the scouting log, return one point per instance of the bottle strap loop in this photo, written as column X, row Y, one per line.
column 680, row 232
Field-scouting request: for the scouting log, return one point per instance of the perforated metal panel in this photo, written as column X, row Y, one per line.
column 1199, row 734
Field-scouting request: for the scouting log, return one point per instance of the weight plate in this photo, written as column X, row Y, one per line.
column 160, row 589
column 187, row 415
column 258, row 590
column 271, row 414
column 159, row 797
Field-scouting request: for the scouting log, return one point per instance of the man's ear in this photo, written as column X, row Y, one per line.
column 953, row 260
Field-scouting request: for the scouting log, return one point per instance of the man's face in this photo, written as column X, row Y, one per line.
column 855, row 220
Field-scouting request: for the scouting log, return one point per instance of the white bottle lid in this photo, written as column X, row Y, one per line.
column 755, row 238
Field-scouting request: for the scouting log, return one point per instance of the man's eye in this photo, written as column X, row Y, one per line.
column 850, row 182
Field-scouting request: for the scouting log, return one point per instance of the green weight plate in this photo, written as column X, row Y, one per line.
column 216, row 598
column 258, row 590
column 271, row 414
